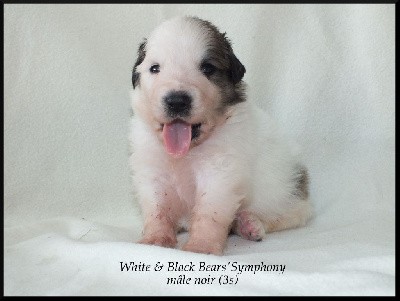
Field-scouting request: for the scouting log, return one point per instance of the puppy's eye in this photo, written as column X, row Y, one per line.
column 155, row 68
column 207, row 69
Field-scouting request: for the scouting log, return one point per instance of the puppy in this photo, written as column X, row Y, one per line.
column 204, row 159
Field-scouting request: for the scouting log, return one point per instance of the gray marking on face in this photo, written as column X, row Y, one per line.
column 229, row 71
column 139, row 60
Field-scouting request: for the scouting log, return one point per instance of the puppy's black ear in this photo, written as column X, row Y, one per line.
column 237, row 70
column 140, row 58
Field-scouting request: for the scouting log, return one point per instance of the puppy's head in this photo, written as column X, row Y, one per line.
column 185, row 79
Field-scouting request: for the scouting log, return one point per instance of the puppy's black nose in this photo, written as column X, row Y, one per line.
column 178, row 103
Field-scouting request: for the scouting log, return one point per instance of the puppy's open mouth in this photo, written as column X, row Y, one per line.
column 177, row 136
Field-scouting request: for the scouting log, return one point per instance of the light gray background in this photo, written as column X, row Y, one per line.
column 325, row 72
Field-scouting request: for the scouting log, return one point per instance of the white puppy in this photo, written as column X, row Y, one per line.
column 205, row 159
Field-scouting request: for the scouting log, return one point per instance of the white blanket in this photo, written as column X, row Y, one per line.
column 325, row 72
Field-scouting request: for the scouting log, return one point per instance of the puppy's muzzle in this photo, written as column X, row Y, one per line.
column 178, row 104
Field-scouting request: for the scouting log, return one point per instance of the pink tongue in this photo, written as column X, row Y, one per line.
column 177, row 136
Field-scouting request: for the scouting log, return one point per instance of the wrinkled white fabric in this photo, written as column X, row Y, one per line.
column 325, row 72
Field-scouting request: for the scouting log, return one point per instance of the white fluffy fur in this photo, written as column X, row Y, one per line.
column 241, row 177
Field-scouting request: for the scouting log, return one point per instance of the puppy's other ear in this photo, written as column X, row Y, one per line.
column 140, row 58
column 237, row 70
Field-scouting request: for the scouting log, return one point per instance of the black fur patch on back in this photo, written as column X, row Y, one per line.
column 302, row 183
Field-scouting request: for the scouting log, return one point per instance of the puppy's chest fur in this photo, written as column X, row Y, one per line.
column 174, row 181
column 181, row 179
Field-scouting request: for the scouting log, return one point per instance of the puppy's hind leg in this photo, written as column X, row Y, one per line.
column 248, row 225
column 252, row 226
column 298, row 208
column 297, row 216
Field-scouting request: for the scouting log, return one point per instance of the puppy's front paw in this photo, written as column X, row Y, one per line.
column 203, row 247
column 161, row 240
